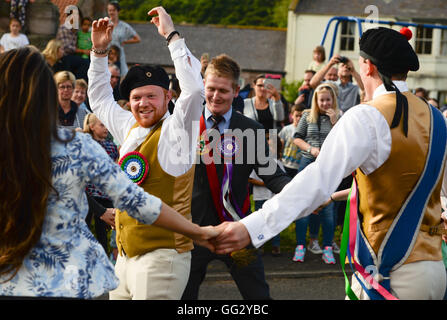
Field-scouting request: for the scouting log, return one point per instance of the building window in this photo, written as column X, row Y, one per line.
column 424, row 38
column 347, row 36
column 444, row 43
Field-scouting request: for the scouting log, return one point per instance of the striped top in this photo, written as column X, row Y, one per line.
column 313, row 133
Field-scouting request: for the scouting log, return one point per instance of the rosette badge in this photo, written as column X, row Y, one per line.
column 135, row 166
column 229, row 147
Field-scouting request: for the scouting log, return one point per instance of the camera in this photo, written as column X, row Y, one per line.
column 343, row 59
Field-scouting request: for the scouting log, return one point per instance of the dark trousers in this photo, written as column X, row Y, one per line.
column 250, row 280
column 100, row 226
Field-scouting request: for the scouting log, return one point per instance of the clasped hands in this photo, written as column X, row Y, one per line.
column 224, row 238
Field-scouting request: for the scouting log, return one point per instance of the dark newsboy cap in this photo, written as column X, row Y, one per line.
column 389, row 50
column 143, row 75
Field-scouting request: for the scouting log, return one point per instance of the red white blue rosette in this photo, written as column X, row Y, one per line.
column 135, row 166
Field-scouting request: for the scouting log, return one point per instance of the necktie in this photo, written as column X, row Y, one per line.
column 216, row 120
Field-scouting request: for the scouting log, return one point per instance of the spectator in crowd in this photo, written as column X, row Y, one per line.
column 114, row 55
column 53, row 53
column 14, row 39
column 84, row 44
column 332, row 74
column 204, row 60
column 305, row 91
column 261, row 193
column 99, row 133
column 69, row 113
column 213, row 204
column 266, row 106
column 122, row 34
column 348, row 92
column 318, row 58
column 80, row 95
column 312, row 130
column 434, row 102
column 115, row 80
column 421, row 93
column 72, row 62
column 174, row 87
column 50, row 251
column 18, row 10
column 291, row 155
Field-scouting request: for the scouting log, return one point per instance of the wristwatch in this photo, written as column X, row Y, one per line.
column 308, row 149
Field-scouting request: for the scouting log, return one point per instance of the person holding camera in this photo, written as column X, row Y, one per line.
column 266, row 106
column 348, row 92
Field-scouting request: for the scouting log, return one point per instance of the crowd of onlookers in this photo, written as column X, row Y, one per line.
column 328, row 90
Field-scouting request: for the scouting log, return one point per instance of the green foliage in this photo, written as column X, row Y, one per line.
column 269, row 13
column 290, row 90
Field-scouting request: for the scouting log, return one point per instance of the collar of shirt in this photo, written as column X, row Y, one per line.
column 223, row 125
column 401, row 85
column 136, row 137
column 348, row 84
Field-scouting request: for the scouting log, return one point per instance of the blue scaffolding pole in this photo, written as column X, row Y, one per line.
column 359, row 22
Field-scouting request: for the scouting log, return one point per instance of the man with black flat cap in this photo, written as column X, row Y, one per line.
column 396, row 145
column 157, row 152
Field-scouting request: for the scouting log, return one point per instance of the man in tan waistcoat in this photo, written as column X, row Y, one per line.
column 395, row 144
column 158, row 153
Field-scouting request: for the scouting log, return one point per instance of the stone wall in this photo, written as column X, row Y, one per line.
column 42, row 21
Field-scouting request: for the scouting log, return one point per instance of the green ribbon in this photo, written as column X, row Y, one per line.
column 344, row 247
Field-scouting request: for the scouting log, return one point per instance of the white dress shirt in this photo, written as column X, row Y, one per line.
column 179, row 133
column 360, row 139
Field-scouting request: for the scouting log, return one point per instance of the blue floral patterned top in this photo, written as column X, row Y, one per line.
column 68, row 261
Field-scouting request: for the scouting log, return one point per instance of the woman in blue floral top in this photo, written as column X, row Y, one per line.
column 46, row 248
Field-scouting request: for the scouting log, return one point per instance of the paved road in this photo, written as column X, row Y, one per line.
column 322, row 288
column 288, row 280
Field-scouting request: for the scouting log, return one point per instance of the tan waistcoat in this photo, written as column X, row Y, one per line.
column 383, row 192
column 137, row 238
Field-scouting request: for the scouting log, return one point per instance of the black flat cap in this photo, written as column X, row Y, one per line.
column 389, row 50
column 143, row 75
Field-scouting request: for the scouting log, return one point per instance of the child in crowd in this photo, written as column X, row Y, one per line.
column 313, row 128
column 84, row 44
column 318, row 57
column 291, row 155
column 99, row 132
column 80, row 94
column 114, row 56
column 261, row 194
column 14, row 39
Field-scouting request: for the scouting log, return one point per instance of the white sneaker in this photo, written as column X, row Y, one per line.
column 314, row 247
column 335, row 248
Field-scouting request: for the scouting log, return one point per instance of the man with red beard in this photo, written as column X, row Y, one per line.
column 157, row 152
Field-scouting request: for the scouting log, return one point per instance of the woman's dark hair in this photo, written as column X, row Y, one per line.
column 259, row 76
column 28, row 121
column 116, row 5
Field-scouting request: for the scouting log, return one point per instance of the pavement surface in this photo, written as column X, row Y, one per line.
column 288, row 280
column 283, row 267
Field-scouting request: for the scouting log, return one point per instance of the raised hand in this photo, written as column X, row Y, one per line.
column 233, row 236
column 101, row 33
column 163, row 21
column 332, row 115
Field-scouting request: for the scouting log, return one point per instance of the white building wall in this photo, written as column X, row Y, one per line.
column 305, row 32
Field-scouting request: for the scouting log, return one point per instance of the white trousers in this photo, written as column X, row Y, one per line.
column 158, row 275
column 422, row 280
